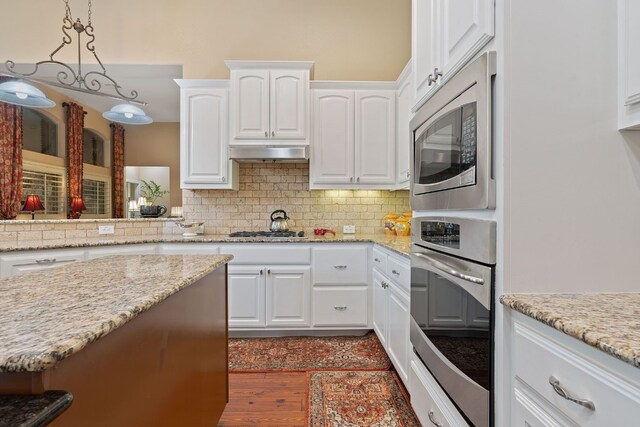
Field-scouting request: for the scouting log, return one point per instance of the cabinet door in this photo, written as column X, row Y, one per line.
column 398, row 331
column 424, row 49
column 629, row 64
column 332, row 159
column 380, row 307
column 289, row 104
column 246, row 287
column 375, row 138
column 404, row 142
column 466, row 26
column 204, row 161
column 250, row 104
column 288, row 291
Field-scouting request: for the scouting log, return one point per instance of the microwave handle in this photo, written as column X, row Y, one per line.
column 450, row 270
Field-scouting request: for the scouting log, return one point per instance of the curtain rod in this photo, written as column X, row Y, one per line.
column 66, row 104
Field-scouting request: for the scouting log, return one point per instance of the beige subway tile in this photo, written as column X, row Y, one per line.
column 133, row 232
column 8, row 236
column 53, row 234
column 75, row 234
column 29, row 235
column 17, row 227
column 42, row 227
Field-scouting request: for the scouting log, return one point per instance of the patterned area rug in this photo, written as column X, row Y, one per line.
column 358, row 399
column 307, row 354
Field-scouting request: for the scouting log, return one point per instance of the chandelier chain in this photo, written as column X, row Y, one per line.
column 89, row 13
column 68, row 10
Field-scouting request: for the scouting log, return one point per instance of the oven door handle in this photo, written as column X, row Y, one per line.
column 450, row 270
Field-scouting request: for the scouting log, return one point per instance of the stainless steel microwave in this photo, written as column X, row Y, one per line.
column 452, row 156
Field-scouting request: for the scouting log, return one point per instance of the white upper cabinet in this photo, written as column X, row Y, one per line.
column 375, row 137
column 445, row 36
column 204, row 122
column 332, row 152
column 628, row 64
column 354, row 137
column 404, row 102
column 269, row 102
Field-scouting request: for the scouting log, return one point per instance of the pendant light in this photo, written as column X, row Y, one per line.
column 92, row 82
column 17, row 92
column 127, row 114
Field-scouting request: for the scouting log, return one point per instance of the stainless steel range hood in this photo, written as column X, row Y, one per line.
column 299, row 153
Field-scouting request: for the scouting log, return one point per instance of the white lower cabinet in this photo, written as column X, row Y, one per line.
column 99, row 252
column 268, row 296
column 391, row 314
column 429, row 401
column 14, row 264
column 340, row 306
column 591, row 387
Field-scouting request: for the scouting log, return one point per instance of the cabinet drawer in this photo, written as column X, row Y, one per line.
column 188, row 249
column 379, row 260
column 94, row 253
column 16, row 264
column 337, row 265
column 340, row 306
column 268, row 254
column 537, row 358
column 400, row 272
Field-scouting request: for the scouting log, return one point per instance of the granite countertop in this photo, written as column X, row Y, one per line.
column 607, row 321
column 400, row 245
column 47, row 316
column 31, row 410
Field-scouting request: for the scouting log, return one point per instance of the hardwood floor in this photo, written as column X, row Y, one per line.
column 269, row 400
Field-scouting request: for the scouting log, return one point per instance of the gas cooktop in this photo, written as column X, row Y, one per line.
column 267, row 234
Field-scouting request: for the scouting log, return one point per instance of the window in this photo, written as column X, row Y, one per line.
column 39, row 133
column 96, row 196
column 92, row 148
column 49, row 186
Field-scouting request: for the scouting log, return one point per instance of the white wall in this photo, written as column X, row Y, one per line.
column 572, row 197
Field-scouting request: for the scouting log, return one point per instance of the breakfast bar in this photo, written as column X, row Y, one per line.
column 136, row 339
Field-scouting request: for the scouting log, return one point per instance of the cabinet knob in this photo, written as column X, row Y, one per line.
column 555, row 383
column 351, row 179
column 430, row 80
column 436, row 74
column 395, row 272
column 358, row 179
column 376, row 259
column 266, row 134
column 268, row 271
column 273, row 133
column 224, row 179
column 261, row 272
column 408, row 174
column 433, row 420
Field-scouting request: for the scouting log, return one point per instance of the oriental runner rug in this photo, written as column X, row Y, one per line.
column 358, row 399
column 307, row 354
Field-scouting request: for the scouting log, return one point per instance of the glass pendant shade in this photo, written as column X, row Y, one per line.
column 20, row 93
column 127, row 114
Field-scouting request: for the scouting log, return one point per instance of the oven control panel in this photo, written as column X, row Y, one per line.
column 440, row 233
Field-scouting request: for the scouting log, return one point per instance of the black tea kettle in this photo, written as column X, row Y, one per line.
column 279, row 223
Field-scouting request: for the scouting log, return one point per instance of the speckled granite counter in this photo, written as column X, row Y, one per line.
column 47, row 316
column 31, row 410
column 607, row 321
column 400, row 245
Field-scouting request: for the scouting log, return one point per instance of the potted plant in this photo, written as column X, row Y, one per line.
column 151, row 191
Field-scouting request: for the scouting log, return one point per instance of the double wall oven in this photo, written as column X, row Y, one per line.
column 453, row 259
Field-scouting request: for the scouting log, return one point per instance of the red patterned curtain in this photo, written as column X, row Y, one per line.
column 11, row 160
column 75, row 127
column 117, row 142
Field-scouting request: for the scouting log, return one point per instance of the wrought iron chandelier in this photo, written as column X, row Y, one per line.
column 93, row 82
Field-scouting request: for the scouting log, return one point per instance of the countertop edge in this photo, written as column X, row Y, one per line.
column 42, row 362
column 570, row 328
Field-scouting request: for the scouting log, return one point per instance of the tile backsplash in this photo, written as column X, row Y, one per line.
column 264, row 188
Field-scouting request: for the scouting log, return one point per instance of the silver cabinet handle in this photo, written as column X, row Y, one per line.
column 430, row 80
column 384, row 285
column 436, row 74
column 376, row 259
column 268, row 271
column 340, row 307
column 261, row 272
column 433, row 420
column 555, row 383
column 224, row 179
column 266, row 134
column 46, row 261
column 450, row 270
column 395, row 272
column 351, row 179
column 340, row 267
column 408, row 174
column 273, row 133
column 358, row 179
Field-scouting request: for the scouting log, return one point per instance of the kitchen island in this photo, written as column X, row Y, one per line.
column 137, row 340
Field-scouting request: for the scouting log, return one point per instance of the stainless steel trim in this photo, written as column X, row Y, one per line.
column 256, row 153
column 429, row 260
column 477, row 238
column 476, row 77
column 431, row 414
column 555, row 383
column 450, row 270
column 45, row 262
column 470, row 397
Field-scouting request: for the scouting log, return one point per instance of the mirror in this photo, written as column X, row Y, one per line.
column 134, row 177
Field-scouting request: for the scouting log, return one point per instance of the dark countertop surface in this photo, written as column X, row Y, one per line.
column 31, row 410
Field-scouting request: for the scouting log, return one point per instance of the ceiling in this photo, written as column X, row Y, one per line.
column 154, row 84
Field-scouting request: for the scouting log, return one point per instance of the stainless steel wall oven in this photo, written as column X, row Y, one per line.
column 452, row 163
column 452, row 275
